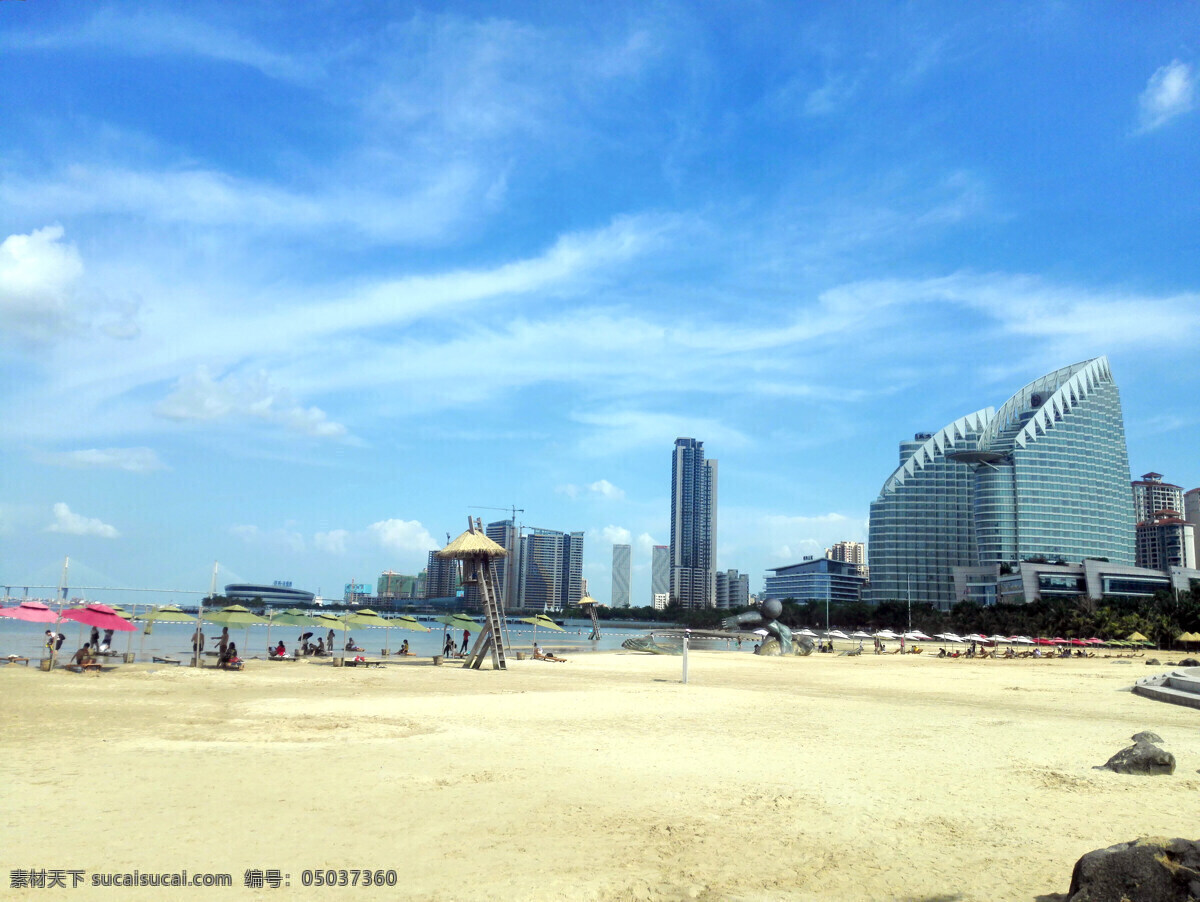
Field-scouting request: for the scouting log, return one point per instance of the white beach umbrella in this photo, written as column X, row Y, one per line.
column 917, row 634
column 806, row 632
column 886, row 634
column 952, row 637
column 997, row 638
column 1021, row 640
column 859, row 634
column 836, row 634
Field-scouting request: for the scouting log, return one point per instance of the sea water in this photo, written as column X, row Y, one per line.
column 174, row 640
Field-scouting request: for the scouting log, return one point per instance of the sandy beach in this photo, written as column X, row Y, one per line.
column 603, row 778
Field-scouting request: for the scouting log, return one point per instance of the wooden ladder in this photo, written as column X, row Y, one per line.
column 595, row 622
column 490, row 637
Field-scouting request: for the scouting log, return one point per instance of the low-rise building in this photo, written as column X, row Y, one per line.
column 816, row 579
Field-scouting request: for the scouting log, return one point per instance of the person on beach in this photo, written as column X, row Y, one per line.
column 320, row 649
column 280, row 650
column 404, row 648
column 54, row 640
column 448, row 648
column 83, row 656
column 329, row 640
column 223, row 643
column 94, row 638
column 466, row 639
column 106, row 642
column 197, row 640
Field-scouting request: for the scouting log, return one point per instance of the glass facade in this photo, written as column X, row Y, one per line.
column 1053, row 481
column 921, row 523
column 1045, row 477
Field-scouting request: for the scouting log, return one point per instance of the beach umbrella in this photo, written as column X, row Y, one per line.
column 170, row 613
column 836, row 634
column 1136, row 637
column 31, row 612
column 543, row 621
column 806, row 632
column 236, row 615
column 458, row 621
column 860, row 634
column 997, row 638
column 290, row 617
column 100, row 616
column 332, row 622
column 882, row 634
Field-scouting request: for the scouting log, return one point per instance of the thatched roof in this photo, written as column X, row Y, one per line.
column 586, row 600
column 471, row 543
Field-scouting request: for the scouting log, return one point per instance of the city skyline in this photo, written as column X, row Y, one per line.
column 297, row 293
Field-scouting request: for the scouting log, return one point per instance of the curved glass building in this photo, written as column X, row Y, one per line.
column 1052, row 470
column 1045, row 476
column 922, row 521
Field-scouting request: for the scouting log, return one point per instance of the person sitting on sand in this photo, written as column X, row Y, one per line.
column 537, row 652
column 319, row 651
column 229, row 656
column 350, row 646
column 83, row 656
column 404, row 649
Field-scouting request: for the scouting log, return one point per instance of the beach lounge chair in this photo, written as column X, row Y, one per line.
column 362, row 662
column 16, row 659
column 158, row 660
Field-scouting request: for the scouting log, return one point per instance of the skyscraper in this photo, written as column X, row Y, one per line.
column 1151, row 495
column 1045, row 477
column 550, row 576
column 921, row 523
column 693, row 525
column 441, row 577
column 621, row 573
column 660, row 571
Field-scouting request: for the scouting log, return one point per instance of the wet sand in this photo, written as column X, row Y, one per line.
column 602, row 778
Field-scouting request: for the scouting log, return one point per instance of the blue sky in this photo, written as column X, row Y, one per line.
column 294, row 288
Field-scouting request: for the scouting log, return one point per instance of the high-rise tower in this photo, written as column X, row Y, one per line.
column 1046, row 477
column 693, row 525
column 621, row 572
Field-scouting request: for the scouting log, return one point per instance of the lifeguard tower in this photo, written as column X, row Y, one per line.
column 477, row 551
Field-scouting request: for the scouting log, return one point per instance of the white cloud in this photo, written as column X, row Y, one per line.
column 645, row 544
column 38, row 273
column 77, row 525
column 601, row 488
column 133, row 460
column 198, row 396
column 156, row 32
column 332, row 542
column 606, row 489
column 1170, row 92
column 615, row 535
column 403, row 536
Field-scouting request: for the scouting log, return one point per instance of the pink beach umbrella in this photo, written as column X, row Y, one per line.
column 31, row 611
column 100, row 616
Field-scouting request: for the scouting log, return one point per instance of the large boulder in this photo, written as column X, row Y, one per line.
column 1145, row 870
column 1189, row 662
column 1147, row 736
column 1144, row 758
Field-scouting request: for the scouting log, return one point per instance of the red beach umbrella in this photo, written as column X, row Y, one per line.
column 1079, row 642
column 100, row 616
column 31, row 611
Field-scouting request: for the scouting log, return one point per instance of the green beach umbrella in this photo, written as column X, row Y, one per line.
column 236, row 615
column 170, row 613
column 290, row 617
column 543, row 621
column 459, row 622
